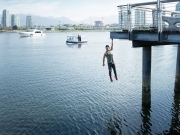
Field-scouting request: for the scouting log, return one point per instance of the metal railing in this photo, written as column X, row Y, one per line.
column 159, row 16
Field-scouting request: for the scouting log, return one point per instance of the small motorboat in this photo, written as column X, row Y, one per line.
column 32, row 33
column 75, row 40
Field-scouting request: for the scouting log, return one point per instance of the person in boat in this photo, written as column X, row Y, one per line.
column 78, row 38
column 110, row 61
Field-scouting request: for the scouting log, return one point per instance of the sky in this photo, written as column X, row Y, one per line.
column 75, row 10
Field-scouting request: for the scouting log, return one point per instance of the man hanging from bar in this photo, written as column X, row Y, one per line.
column 110, row 61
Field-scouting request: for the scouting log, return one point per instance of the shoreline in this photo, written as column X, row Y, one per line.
column 56, row 31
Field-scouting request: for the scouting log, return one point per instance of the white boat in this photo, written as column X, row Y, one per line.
column 32, row 33
column 74, row 39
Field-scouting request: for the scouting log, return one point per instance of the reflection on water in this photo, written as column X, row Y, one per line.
column 116, row 125
column 34, row 40
column 74, row 45
column 146, row 120
column 32, row 37
column 175, row 122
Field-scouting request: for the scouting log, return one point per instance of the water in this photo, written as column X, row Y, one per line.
column 50, row 88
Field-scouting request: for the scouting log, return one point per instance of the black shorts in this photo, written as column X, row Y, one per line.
column 111, row 65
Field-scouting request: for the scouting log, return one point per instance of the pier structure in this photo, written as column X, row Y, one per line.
column 150, row 24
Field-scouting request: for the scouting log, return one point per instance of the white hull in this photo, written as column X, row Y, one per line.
column 34, row 33
column 24, row 34
column 76, row 42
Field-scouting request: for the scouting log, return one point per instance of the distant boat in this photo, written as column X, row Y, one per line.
column 74, row 39
column 32, row 33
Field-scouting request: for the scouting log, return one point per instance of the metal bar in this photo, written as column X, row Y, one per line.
column 140, row 4
column 163, row 10
column 171, row 11
column 145, row 3
column 159, row 18
column 121, row 23
column 122, row 6
column 149, row 3
column 129, row 21
column 145, row 8
column 164, row 1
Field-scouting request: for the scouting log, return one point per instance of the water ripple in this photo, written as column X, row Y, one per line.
column 48, row 87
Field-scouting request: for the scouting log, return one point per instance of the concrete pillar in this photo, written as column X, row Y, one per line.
column 177, row 80
column 146, row 76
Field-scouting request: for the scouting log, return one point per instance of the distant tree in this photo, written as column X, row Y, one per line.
column 15, row 27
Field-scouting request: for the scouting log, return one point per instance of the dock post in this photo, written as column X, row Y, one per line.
column 146, row 76
column 177, row 80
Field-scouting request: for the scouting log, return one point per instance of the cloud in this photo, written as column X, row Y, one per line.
column 41, row 8
column 75, row 10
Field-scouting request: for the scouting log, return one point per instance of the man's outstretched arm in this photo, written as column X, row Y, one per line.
column 112, row 44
